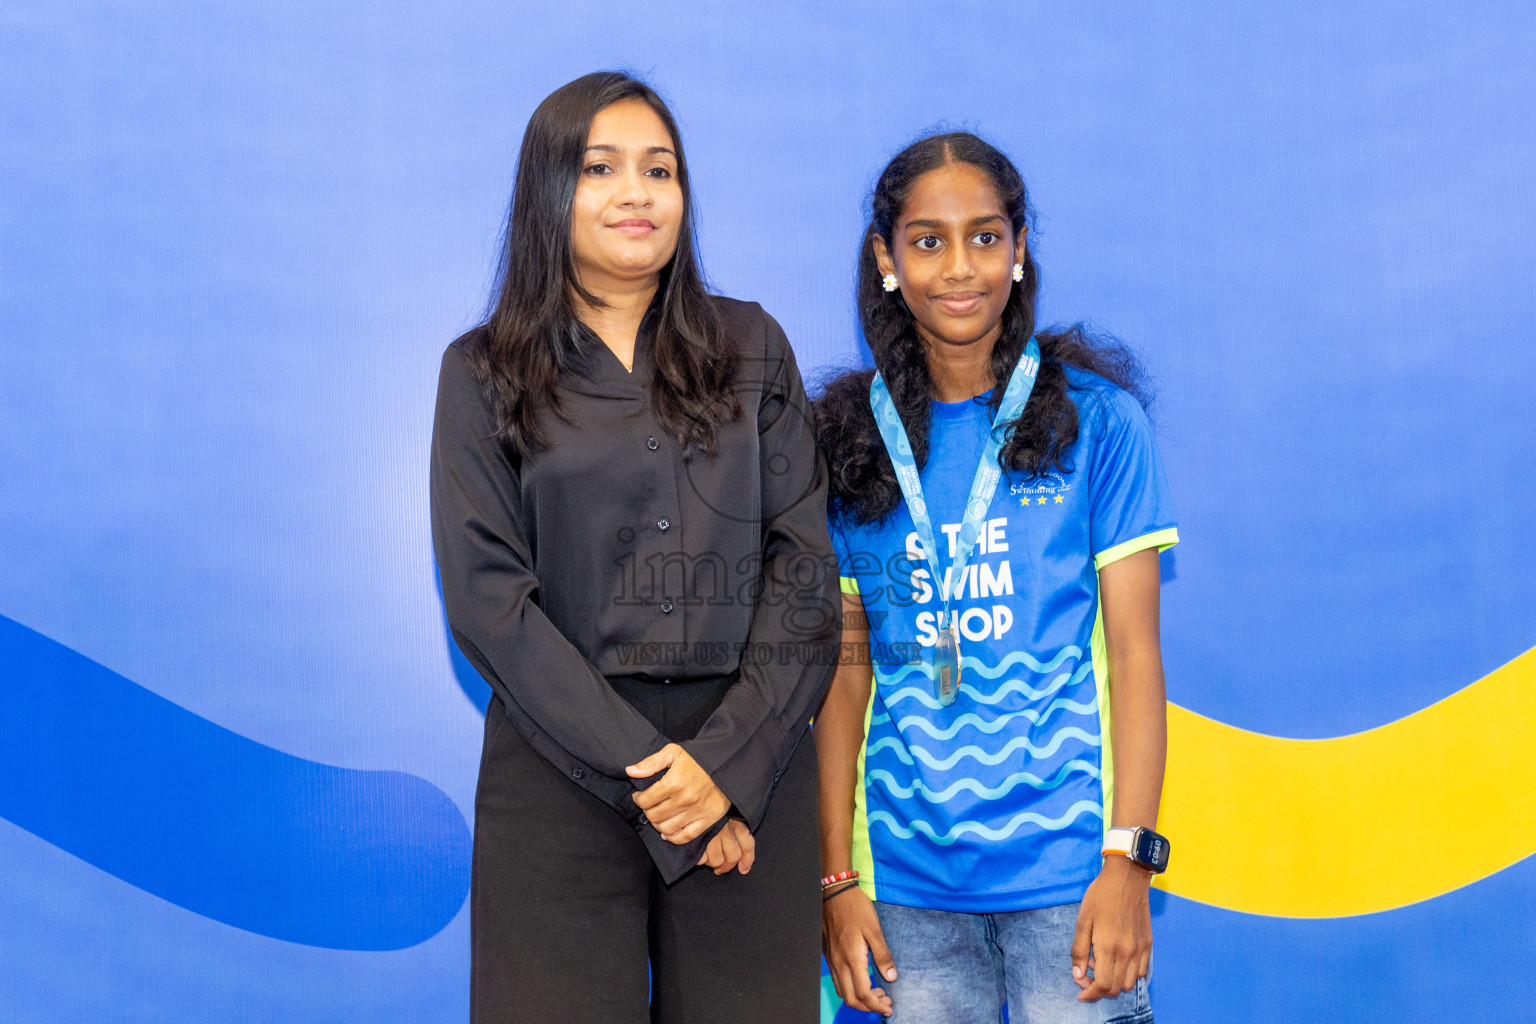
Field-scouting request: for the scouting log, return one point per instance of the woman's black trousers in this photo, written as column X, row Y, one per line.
column 570, row 923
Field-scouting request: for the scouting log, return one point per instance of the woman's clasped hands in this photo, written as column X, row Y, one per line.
column 685, row 802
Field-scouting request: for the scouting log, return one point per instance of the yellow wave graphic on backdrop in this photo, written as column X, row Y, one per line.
column 1355, row 824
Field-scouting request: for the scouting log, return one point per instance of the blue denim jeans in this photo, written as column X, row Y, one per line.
column 957, row 968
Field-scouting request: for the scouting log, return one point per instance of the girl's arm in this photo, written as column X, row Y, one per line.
column 850, row 928
column 1115, row 923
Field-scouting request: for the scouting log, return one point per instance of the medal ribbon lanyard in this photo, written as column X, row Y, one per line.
column 983, row 485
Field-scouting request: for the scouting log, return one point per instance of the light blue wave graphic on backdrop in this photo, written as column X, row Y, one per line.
column 964, row 828
column 894, row 786
column 217, row 823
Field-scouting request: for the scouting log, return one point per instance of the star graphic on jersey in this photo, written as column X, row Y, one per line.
column 1058, row 499
column 1040, row 500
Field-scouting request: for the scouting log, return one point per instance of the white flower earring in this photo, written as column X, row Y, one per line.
column 1018, row 271
column 889, row 282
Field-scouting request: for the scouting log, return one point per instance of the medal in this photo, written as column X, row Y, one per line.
column 946, row 663
column 946, row 648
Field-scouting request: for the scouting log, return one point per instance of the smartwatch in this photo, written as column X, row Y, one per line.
column 1142, row 845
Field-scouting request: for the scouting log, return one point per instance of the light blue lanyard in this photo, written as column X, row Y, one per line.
column 983, row 485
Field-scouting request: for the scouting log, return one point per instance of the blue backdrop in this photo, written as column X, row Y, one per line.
column 237, row 756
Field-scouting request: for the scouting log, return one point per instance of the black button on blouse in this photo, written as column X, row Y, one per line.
column 552, row 588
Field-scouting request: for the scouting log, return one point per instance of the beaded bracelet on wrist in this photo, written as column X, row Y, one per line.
column 838, row 889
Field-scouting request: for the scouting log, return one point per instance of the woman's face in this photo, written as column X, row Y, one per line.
column 952, row 251
column 628, row 205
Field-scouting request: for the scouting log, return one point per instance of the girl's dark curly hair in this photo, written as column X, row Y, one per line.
column 863, row 482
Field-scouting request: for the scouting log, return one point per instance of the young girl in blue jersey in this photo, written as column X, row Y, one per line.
column 997, row 721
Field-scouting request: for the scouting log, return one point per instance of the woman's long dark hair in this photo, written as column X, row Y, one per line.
column 863, row 482
column 532, row 332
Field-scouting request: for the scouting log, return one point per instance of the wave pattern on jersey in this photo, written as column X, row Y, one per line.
column 1018, row 750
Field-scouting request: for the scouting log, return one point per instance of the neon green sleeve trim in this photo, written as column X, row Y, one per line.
column 1160, row 539
column 863, row 850
column 1100, row 655
column 849, row 584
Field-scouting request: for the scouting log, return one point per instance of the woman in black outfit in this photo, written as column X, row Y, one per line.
column 630, row 523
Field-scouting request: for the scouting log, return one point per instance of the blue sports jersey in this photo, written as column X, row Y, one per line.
column 998, row 801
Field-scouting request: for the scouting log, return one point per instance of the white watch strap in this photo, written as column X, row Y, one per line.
column 1119, row 840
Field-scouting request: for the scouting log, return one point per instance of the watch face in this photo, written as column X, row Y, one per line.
column 1151, row 850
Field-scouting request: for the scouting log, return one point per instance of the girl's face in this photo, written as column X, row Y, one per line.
column 952, row 251
column 628, row 206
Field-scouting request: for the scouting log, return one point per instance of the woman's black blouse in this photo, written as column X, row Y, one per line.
column 609, row 554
